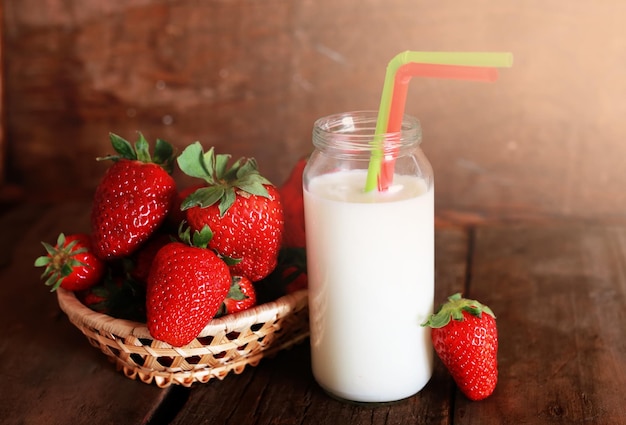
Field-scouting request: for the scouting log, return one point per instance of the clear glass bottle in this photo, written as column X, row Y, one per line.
column 370, row 261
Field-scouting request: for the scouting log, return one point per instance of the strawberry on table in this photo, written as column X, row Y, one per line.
column 240, row 206
column 241, row 296
column 465, row 338
column 71, row 263
column 186, row 286
column 133, row 197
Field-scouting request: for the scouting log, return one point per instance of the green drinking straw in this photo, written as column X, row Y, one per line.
column 458, row 59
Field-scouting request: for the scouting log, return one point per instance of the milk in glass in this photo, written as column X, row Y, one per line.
column 370, row 259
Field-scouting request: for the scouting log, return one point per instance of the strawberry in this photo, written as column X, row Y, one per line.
column 295, row 279
column 71, row 263
column 143, row 257
column 291, row 197
column 133, row 197
column 290, row 275
column 186, row 286
column 241, row 296
column 240, row 206
column 93, row 299
column 293, row 269
column 465, row 338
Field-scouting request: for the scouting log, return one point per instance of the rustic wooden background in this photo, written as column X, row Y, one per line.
column 251, row 76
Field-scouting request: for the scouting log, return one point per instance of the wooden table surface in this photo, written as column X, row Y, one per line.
column 558, row 289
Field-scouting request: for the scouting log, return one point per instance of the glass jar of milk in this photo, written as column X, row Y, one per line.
column 370, row 258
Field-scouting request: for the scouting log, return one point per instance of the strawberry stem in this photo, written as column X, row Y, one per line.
column 198, row 239
column 142, row 149
column 59, row 261
column 163, row 151
column 235, row 292
column 453, row 310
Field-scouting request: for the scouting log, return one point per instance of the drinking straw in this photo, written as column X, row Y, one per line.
column 398, row 101
column 456, row 65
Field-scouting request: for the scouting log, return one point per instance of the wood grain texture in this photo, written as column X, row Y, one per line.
column 559, row 294
column 249, row 77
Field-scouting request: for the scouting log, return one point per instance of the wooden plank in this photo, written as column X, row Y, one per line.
column 560, row 296
column 282, row 390
column 49, row 371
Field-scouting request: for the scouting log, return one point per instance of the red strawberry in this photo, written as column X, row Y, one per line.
column 291, row 197
column 292, row 264
column 465, row 338
column 133, row 198
column 241, row 207
column 295, row 279
column 71, row 263
column 241, row 296
column 142, row 260
column 93, row 299
column 290, row 275
column 186, row 286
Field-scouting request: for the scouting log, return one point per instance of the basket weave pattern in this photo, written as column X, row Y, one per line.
column 225, row 345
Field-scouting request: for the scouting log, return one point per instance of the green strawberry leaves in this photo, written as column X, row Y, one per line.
column 205, row 196
column 223, row 182
column 163, row 151
column 122, row 147
column 163, row 154
column 201, row 239
column 453, row 310
column 193, row 162
column 235, row 292
column 60, row 261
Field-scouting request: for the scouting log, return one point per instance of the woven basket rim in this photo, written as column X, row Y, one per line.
column 79, row 313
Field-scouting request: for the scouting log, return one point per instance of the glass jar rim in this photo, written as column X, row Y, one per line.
column 359, row 128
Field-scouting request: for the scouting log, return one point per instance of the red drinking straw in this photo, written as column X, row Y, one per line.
column 398, row 100
column 478, row 66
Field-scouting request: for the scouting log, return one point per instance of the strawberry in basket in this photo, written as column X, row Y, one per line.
column 241, row 296
column 177, row 284
column 187, row 284
column 240, row 206
column 133, row 198
column 71, row 263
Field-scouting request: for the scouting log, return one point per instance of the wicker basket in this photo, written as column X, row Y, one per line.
column 224, row 345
